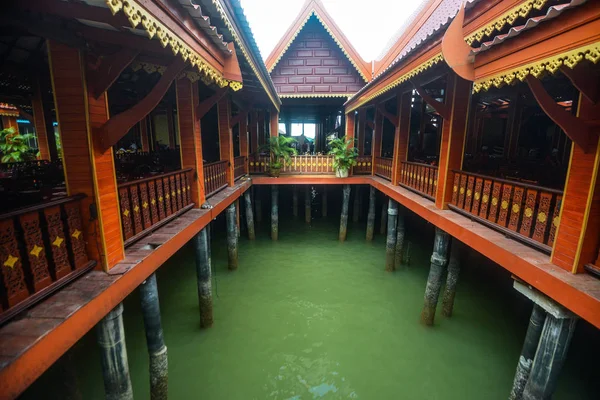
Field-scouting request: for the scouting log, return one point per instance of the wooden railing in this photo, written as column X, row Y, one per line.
column 363, row 166
column 239, row 167
column 42, row 248
column 215, row 177
column 420, row 178
column 147, row 204
column 383, row 167
column 525, row 212
column 309, row 164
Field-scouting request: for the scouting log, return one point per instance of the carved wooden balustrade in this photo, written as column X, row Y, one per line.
column 304, row 164
column 147, row 204
column 525, row 212
column 42, row 248
column 363, row 165
column 215, row 177
column 383, row 167
column 239, row 167
column 420, row 178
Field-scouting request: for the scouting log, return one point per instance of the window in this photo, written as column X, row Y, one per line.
column 309, row 130
column 282, row 128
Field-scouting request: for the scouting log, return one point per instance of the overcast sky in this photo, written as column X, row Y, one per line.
column 368, row 24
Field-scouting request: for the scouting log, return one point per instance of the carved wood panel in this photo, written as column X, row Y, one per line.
column 528, row 212
column 58, row 244
column 152, row 197
column 136, row 211
column 542, row 217
column 145, row 203
column 76, row 234
column 125, row 213
column 36, row 250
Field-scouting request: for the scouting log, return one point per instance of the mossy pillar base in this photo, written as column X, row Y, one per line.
column 344, row 216
column 115, row 368
column 274, row 212
column 204, row 275
column 371, row 214
column 324, row 203
column 390, row 243
column 307, row 204
column 400, row 231
column 436, row 272
column 232, row 237
column 159, row 372
column 249, row 216
column 451, row 279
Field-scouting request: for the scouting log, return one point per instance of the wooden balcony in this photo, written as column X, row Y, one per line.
column 383, row 167
column 42, row 248
column 149, row 203
column 363, row 166
column 215, row 177
column 420, row 178
column 240, row 167
column 299, row 165
column 525, row 212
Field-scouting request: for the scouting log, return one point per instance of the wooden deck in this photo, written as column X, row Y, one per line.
column 30, row 345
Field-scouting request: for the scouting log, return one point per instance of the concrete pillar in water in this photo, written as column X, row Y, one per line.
column 436, row 272
column 159, row 372
column 115, row 369
column 371, row 214
column 204, row 275
column 274, row 212
column 532, row 338
column 232, row 237
column 249, row 216
column 324, row 203
column 307, row 205
column 258, row 204
column 390, row 243
column 295, row 201
column 356, row 204
column 344, row 217
column 451, row 279
column 384, row 216
column 399, row 251
column 552, row 348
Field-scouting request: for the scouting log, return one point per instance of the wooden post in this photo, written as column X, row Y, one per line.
column 39, row 122
column 295, row 201
column 324, row 202
column 232, row 237
column 349, row 130
column 274, row 212
column 401, row 135
column 530, row 345
column 371, row 214
column 110, row 335
column 159, row 372
column 376, row 142
column 344, row 216
column 362, row 124
column 458, row 94
column 226, row 137
column 190, row 137
column 307, row 204
column 451, row 279
column 436, row 272
column 399, row 251
column 390, row 243
column 144, row 135
column 274, row 121
column 244, row 141
column 204, row 275
column 249, row 215
column 85, row 164
column 578, row 226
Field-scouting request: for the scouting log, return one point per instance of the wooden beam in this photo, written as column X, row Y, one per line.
column 394, row 120
column 101, row 77
column 573, row 127
column 239, row 117
column 116, row 127
column 584, row 79
column 457, row 53
column 207, row 104
column 441, row 108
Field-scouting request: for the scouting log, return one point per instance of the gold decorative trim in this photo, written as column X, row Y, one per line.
column 153, row 27
column 508, row 18
column 410, row 74
column 241, row 46
column 314, row 95
column 551, row 64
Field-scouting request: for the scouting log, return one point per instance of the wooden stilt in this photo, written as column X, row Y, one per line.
column 399, row 252
column 371, row 215
column 344, row 217
column 274, row 212
column 451, row 279
column 232, row 237
column 249, row 216
column 436, row 272
column 204, row 274
column 390, row 243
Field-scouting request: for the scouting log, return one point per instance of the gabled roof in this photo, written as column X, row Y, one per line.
column 316, row 8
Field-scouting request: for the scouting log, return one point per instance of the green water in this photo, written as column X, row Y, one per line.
column 310, row 318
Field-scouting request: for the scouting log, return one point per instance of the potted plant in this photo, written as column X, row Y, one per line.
column 14, row 147
column 280, row 153
column 344, row 155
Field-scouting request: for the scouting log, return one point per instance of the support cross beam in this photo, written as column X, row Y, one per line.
column 442, row 108
column 394, row 119
column 206, row 105
column 584, row 79
column 116, row 127
column 104, row 75
column 239, row 117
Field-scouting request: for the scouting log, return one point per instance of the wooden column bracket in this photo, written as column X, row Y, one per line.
column 456, row 52
column 394, row 119
column 573, row 127
column 207, row 104
column 584, row 79
column 116, row 127
column 104, row 75
column 442, row 108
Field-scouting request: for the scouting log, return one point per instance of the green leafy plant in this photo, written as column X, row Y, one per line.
column 280, row 152
column 14, row 147
column 344, row 153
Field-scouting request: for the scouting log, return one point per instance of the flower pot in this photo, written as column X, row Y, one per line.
column 341, row 173
column 274, row 172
